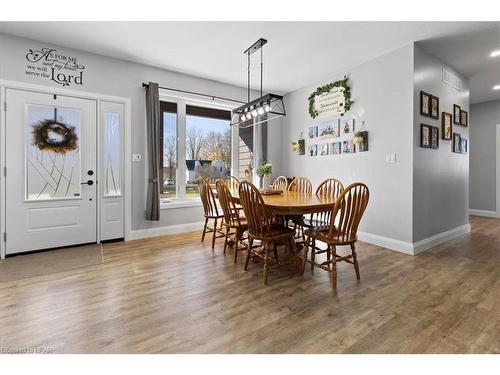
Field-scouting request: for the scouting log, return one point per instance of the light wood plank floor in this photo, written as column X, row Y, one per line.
column 174, row 295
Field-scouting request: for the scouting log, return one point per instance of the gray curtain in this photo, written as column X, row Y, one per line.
column 153, row 137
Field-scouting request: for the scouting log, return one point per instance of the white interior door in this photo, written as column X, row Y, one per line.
column 50, row 154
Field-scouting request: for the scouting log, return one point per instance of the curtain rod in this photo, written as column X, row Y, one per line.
column 213, row 97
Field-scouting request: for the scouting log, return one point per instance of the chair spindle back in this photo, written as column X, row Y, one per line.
column 231, row 216
column 258, row 217
column 301, row 185
column 281, row 183
column 208, row 198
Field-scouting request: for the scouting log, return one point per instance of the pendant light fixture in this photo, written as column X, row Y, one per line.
column 263, row 109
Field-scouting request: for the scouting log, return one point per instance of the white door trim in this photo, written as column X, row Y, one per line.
column 5, row 84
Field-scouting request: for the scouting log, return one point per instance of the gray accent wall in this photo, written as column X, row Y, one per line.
column 110, row 76
column 382, row 91
column 440, row 177
column 483, row 118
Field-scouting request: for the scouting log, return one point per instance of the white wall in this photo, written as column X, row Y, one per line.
column 440, row 177
column 484, row 118
column 382, row 91
column 119, row 78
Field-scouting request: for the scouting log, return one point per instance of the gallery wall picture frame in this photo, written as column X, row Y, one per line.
column 335, row 148
column 348, row 147
column 446, row 126
column 312, row 150
column 312, row 132
column 434, row 137
column 425, row 136
column 425, row 104
column 302, row 146
column 329, row 129
column 323, row 149
column 463, row 145
column 434, row 107
column 347, row 126
column 363, row 146
column 456, row 114
column 456, row 143
column 464, row 118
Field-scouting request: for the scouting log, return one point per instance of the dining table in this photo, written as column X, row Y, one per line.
column 291, row 203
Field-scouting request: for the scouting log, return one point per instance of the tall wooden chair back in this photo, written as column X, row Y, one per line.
column 281, row 183
column 208, row 198
column 258, row 217
column 331, row 188
column 347, row 213
column 301, row 185
column 231, row 216
column 232, row 183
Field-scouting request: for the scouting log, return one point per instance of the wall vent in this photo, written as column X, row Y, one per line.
column 452, row 79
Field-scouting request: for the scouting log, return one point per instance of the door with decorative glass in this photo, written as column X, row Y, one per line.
column 50, row 158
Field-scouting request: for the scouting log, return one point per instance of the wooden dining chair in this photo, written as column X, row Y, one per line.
column 342, row 230
column 232, row 182
column 301, row 185
column 331, row 188
column 281, row 183
column 235, row 225
column 211, row 210
column 262, row 228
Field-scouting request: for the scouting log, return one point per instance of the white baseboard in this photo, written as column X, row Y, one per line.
column 416, row 247
column 484, row 213
column 374, row 239
column 387, row 242
column 440, row 238
column 163, row 231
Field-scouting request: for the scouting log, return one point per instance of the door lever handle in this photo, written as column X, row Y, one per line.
column 89, row 182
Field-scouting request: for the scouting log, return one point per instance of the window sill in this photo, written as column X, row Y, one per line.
column 180, row 204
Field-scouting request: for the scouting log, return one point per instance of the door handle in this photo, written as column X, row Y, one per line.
column 89, row 182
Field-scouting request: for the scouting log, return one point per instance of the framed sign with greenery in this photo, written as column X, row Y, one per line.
column 333, row 98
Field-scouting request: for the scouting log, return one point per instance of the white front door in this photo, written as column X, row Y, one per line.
column 50, row 154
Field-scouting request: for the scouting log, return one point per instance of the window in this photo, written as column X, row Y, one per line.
column 195, row 145
column 168, row 159
column 245, row 153
column 208, row 146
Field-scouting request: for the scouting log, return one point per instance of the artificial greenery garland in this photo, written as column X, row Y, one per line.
column 327, row 88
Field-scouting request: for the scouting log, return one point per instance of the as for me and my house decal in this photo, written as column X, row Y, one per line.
column 47, row 63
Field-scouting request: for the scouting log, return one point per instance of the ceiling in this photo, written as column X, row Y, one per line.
column 469, row 53
column 297, row 54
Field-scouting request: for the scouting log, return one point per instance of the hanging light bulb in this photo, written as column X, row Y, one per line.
column 243, row 118
column 254, row 113
column 249, row 116
column 260, row 111
column 267, row 108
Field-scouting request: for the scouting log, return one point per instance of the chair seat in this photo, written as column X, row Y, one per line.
column 321, row 233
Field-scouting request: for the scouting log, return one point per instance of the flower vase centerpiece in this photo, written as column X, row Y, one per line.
column 264, row 172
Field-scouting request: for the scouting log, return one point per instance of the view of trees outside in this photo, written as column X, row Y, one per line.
column 208, row 152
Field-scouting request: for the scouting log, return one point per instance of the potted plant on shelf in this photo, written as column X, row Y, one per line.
column 264, row 172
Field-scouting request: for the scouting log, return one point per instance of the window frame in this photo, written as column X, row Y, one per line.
column 181, row 199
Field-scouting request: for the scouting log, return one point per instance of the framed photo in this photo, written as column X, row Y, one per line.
column 347, row 147
column 456, row 114
column 463, row 145
column 425, row 136
column 425, row 104
column 363, row 146
column 456, row 143
column 302, row 146
column 446, row 126
column 434, row 137
column 464, row 118
column 434, row 107
column 329, row 129
column 347, row 126
column 334, row 148
column 312, row 150
column 323, row 149
column 313, row 132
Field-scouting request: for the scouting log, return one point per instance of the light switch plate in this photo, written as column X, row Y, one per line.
column 390, row 158
column 136, row 158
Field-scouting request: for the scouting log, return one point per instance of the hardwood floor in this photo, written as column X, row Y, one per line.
column 174, row 295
